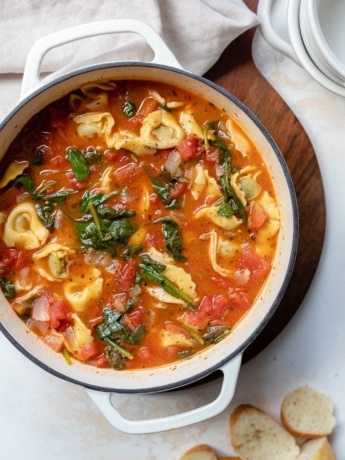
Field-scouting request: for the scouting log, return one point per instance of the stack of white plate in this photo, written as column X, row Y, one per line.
column 316, row 30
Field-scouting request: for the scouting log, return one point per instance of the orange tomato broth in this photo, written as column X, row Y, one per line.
column 220, row 301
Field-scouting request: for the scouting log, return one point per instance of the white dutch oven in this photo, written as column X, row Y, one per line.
column 225, row 356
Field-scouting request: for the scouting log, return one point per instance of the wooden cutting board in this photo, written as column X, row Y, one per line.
column 236, row 72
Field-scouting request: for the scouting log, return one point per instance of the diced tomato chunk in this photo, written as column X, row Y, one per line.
column 102, row 361
column 155, row 240
column 210, row 308
column 190, row 147
column 134, row 318
column 179, row 190
column 149, row 105
column 257, row 217
column 154, row 199
column 55, row 342
column 240, row 300
column 126, row 174
column 76, row 184
column 176, row 329
column 136, row 122
column 257, row 265
column 58, row 312
column 125, row 275
column 22, row 261
column 88, row 350
column 8, row 259
column 212, row 155
column 59, row 161
column 145, row 353
column 117, row 157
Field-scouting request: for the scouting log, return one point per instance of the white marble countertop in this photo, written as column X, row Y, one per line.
column 43, row 417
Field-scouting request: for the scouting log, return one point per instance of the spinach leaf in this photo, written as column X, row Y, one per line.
column 232, row 204
column 38, row 159
column 45, row 214
column 129, row 108
column 215, row 334
column 131, row 251
column 121, row 230
column 60, row 196
column 97, row 199
column 111, row 331
column 91, row 155
column 26, row 182
column 78, row 163
column 225, row 210
column 7, row 288
column 150, row 274
column 39, row 192
column 115, row 359
column 90, row 239
column 110, row 213
column 173, row 238
column 147, row 260
column 162, row 190
column 103, row 228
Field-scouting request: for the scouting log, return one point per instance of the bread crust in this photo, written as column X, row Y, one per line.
column 317, row 449
column 200, row 452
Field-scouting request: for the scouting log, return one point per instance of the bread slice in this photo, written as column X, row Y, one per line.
column 317, row 449
column 256, row 436
column 200, row 452
column 306, row 413
column 229, row 458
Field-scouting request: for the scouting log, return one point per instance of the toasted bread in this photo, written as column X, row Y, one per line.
column 317, row 449
column 256, row 436
column 200, row 452
column 306, row 413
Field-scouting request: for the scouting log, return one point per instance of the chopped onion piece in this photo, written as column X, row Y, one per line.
column 58, row 224
column 173, row 162
column 22, row 197
column 40, row 309
column 98, row 258
column 219, row 170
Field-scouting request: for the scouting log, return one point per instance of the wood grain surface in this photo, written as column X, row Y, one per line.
column 236, row 72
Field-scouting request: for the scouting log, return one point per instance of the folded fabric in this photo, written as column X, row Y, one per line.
column 196, row 31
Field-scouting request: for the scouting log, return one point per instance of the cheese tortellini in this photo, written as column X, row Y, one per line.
column 160, row 130
column 15, row 169
column 177, row 275
column 24, row 229
column 211, row 212
column 245, row 184
column 53, row 261
column 83, row 290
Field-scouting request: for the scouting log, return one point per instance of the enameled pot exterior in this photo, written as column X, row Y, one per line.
column 225, row 355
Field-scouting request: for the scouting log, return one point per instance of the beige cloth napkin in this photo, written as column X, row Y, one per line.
column 196, row 31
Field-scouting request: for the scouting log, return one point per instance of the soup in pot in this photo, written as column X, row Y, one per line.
column 138, row 224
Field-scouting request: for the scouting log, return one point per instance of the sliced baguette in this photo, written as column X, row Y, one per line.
column 317, row 449
column 256, row 436
column 306, row 413
column 200, row 452
column 229, row 458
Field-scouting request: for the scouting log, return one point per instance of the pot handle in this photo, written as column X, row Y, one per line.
column 230, row 373
column 162, row 53
column 264, row 12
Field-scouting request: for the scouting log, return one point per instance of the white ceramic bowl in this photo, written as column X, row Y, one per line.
column 224, row 356
column 323, row 33
column 295, row 49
